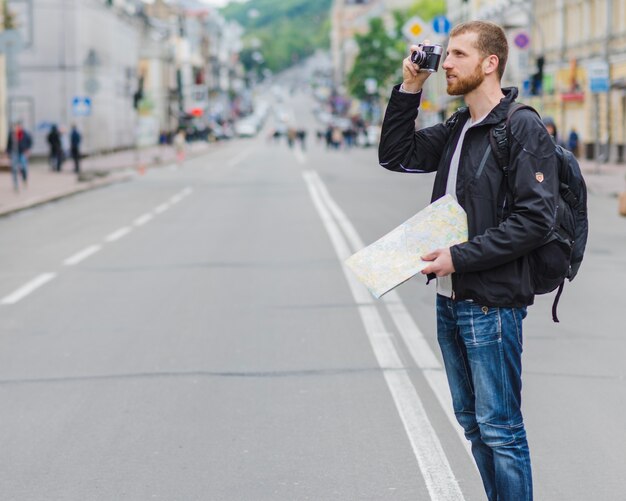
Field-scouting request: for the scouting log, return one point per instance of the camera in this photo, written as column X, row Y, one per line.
column 428, row 58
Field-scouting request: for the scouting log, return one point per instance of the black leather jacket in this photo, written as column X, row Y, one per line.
column 508, row 216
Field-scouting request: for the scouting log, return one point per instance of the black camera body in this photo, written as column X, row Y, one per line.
column 428, row 57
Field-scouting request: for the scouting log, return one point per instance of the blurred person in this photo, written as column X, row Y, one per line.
column 336, row 137
column 572, row 142
column 56, row 151
column 291, row 136
column 19, row 144
column 552, row 130
column 349, row 137
column 301, row 135
column 75, row 140
column 484, row 285
column 180, row 143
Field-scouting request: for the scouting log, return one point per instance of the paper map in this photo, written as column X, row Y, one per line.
column 396, row 257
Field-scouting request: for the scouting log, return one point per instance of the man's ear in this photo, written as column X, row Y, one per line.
column 490, row 64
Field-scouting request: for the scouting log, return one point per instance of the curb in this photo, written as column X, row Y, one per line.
column 65, row 193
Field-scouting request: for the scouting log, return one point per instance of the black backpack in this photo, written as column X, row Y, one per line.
column 559, row 258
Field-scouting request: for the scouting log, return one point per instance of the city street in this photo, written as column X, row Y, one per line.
column 191, row 334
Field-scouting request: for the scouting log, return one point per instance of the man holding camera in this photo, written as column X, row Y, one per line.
column 483, row 285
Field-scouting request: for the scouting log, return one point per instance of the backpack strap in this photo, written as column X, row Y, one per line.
column 556, row 302
column 499, row 136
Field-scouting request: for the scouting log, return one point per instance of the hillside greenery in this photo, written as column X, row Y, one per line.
column 279, row 33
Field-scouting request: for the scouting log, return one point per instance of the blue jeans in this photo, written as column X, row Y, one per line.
column 19, row 162
column 482, row 354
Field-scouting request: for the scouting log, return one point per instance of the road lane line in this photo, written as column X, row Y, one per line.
column 143, row 219
column 300, row 156
column 117, row 234
column 238, row 158
column 431, row 458
column 162, row 208
column 410, row 333
column 27, row 288
column 81, row 255
column 179, row 196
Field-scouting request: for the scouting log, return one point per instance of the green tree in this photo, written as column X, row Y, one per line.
column 381, row 53
column 8, row 17
column 380, row 58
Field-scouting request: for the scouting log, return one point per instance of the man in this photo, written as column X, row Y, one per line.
column 485, row 284
column 18, row 146
column 75, row 148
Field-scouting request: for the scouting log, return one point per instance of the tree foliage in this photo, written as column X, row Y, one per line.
column 284, row 30
column 381, row 52
column 380, row 57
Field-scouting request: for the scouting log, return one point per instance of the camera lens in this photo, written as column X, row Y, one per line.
column 419, row 57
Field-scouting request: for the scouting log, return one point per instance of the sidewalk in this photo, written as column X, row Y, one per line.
column 604, row 179
column 100, row 170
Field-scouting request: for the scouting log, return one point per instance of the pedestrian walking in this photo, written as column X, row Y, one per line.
column 552, row 130
column 483, row 285
column 179, row 147
column 19, row 144
column 75, row 140
column 301, row 135
column 572, row 142
column 56, row 151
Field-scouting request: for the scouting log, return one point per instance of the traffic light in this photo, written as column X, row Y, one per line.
column 138, row 95
column 536, row 80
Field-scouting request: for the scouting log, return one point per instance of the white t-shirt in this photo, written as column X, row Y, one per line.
column 444, row 284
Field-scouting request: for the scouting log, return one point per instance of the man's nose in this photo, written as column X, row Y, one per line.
column 447, row 64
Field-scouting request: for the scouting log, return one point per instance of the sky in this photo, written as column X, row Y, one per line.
column 216, row 3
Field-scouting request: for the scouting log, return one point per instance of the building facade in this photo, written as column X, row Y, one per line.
column 124, row 71
column 581, row 46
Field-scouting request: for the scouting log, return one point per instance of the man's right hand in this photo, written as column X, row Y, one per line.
column 413, row 78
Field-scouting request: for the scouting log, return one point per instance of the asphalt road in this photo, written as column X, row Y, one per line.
column 192, row 335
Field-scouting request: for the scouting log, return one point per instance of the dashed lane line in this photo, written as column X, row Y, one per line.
column 44, row 278
column 27, row 288
column 117, row 234
column 143, row 219
column 82, row 255
column 237, row 159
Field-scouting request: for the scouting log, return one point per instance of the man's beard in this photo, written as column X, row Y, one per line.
column 462, row 86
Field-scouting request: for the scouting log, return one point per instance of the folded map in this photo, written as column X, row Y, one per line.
column 397, row 256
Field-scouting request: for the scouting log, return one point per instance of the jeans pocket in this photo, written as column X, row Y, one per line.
column 484, row 326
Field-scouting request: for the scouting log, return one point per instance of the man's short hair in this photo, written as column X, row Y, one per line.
column 491, row 40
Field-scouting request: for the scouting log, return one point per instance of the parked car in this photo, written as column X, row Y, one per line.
column 247, row 127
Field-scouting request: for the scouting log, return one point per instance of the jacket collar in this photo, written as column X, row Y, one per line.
column 498, row 114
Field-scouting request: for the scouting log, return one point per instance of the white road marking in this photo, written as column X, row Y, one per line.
column 238, row 158
column 300, row 156
column 431, row 458
column 411, row 334
column 27, row 288
column 143, row 219
column 40, row 280
column 161, row 208
column 81, row 255
column 179, row 196
column 117, row 234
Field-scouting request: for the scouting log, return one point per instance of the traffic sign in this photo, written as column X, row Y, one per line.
column 414, row 29
column 598, row 73
column 441, row 25
column 81, row 106
column 521, row 40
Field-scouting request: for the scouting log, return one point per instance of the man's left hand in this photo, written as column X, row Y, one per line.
column 441, row 263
